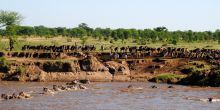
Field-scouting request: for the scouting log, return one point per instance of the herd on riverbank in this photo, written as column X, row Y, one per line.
column 198, row 67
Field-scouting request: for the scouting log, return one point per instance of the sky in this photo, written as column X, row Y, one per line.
column 196, row 15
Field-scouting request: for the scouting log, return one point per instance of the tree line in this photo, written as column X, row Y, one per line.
column 10, row 21
column 142, row 35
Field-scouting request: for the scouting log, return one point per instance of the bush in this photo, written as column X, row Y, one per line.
column 200, row 78
column 174, row 42
column 3, row 65
column 2, row 61
column 20, row 70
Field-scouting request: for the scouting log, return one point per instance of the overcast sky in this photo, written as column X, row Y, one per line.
column 197, row 15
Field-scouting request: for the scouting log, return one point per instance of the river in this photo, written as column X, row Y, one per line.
column 110, row 96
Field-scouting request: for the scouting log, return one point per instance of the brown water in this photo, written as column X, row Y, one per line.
column 110, row 96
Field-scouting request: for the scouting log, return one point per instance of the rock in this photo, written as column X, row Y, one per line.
column 2, row 75
column 118, row 68
column 98, row 76
column 120, row 71
column 92, row 64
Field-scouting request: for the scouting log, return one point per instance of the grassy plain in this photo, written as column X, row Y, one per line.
column 34, row 40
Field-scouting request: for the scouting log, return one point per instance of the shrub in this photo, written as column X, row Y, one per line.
column 202, row 79
column 20, row 70
column 174, row 42
column 2, row 61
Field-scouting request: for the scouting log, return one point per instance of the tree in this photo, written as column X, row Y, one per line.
column 217, row 35
column 120, row 33
column 42, row 31
column 114, row 35
column 62, row 31
column 106, row 33
column 160, row 29
column 11, row 31
column 190, row 36
column 127, row 33
column 83, row 25
column 2, row 32
column 86, row 28
column 134, row 33
column 97, row 33
column 25, row 30
column 8, row 18
column 78, row 32
column 84, row 40
column 53, row 32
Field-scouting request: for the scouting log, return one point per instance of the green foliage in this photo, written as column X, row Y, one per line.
column 3, row 61
column 8, row 18
column 166, row 78
column 84, row 40
column 159, row 34
column 62, row 31
column 141, row 41
column 26, row 30
column 174, row 42
column 217, row 35
column 11, row 30
column 202, row 79
column 2, row 32
column 20, row 70
column 42, row 31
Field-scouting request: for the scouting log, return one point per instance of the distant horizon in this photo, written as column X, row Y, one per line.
column 183, row 15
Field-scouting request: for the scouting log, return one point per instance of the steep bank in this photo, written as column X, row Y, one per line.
column 68, row 67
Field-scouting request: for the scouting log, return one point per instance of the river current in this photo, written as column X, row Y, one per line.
column 110, row 96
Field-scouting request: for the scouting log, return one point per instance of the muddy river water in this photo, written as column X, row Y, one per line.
column 110, row 96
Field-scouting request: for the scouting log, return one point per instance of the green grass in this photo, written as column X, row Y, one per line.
column 166, row 78
column 35, row 40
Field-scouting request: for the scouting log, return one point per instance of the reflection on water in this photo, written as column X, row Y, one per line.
column 111, row 96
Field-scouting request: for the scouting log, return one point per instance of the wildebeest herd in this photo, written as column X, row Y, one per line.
column 144, row 51
column 72, row 86
column 62, row 48
column 133, row 52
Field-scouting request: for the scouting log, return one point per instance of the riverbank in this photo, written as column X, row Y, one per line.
column 96, row 67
